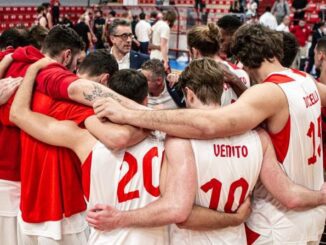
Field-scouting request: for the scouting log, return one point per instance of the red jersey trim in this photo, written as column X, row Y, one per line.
column 301, row 73
column 86, row 175
column 251, row 235
column 281, row 141
column 278, row 78
column 234, row 66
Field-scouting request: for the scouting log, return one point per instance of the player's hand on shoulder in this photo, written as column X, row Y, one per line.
column 104, row 217
column 108, row 108
column 8, row 86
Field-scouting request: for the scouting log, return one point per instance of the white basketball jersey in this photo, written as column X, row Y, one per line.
column 227, row 171
column 127, row 180
column 228, row 95
column 299, row 150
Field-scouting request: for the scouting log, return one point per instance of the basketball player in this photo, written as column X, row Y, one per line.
column 287, row 100
column 133, row 174
column 204, row 41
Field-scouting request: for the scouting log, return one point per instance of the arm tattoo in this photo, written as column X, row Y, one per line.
column 97, row 92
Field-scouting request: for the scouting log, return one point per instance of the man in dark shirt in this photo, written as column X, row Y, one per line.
column 84, row 32
column 98, row 29
column 299, row 7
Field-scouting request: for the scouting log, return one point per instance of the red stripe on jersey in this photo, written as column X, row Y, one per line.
column 281, row 141
column 301, row 73
column 86, row 175
column 234, row 66
column 251, row 235
column 278, row 78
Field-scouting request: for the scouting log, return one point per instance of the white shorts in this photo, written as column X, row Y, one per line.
column 67, row 239
column 254, row 238
column 8, row 230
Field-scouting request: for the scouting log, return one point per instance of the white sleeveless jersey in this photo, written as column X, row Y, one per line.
column 228, row 95
column 298, row 149
column 227, row 171
column 127, row 180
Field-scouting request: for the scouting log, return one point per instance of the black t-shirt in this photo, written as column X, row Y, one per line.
column 299, row 4
column 82, row 29
column 98, row 26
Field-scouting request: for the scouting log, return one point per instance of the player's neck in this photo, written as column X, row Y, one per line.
column 210, row 106
column 267, row 68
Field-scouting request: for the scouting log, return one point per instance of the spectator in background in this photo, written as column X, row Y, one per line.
column 301, row 32
column 280, row 9
column 268, row 19
column 284, row 26
column 40, row 18
column 135, row 43
column 228, row 24
column 65, row 21
column 38, row 34
column 319, row 32
column 143, row 31
column 48, row 15
column 121, row 38
column 160, row 96
column 153, row 18
column 84, row 32
column 236, row 7
column 299, row 8
column 55, row 6
column 161, row 37
column 98, row 29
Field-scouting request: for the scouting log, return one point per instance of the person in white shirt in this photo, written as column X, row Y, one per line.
column 284, row 26
column 158, row 94
column 268, row 19
column 142, row 31
column 161, row 36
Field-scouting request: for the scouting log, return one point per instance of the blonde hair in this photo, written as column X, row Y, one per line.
column 205, row 38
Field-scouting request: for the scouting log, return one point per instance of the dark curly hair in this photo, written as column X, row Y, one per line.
column 254, row 43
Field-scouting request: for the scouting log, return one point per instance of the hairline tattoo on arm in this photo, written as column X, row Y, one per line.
column 98, row 92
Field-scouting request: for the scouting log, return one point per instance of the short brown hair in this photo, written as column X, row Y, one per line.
column 205, row 77
column 254, row 43
column 205, row 38
column 155, row 66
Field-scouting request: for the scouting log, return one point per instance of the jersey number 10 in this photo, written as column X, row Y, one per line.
column 216, row 187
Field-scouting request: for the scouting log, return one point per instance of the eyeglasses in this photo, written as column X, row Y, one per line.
column 125, row 36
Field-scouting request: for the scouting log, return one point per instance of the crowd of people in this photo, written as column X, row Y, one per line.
column 102, row 144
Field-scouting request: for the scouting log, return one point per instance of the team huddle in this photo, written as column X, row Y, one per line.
column 84, row 161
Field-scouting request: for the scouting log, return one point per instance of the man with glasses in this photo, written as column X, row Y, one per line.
column 121, row 38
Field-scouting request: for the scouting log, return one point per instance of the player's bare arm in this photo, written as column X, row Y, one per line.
column 45, row 128
column 289, row 194
column 4, row 64
column 86, row 92
column 322, row 93
column 205, row 219
column 176, row 201
column 255, row 105
column 114, row 136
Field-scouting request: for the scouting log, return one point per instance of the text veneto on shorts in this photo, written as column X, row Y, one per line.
column 237, row 151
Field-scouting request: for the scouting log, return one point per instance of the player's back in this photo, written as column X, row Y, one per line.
column 127, row 180
column 227, row 171
column 298, row 149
